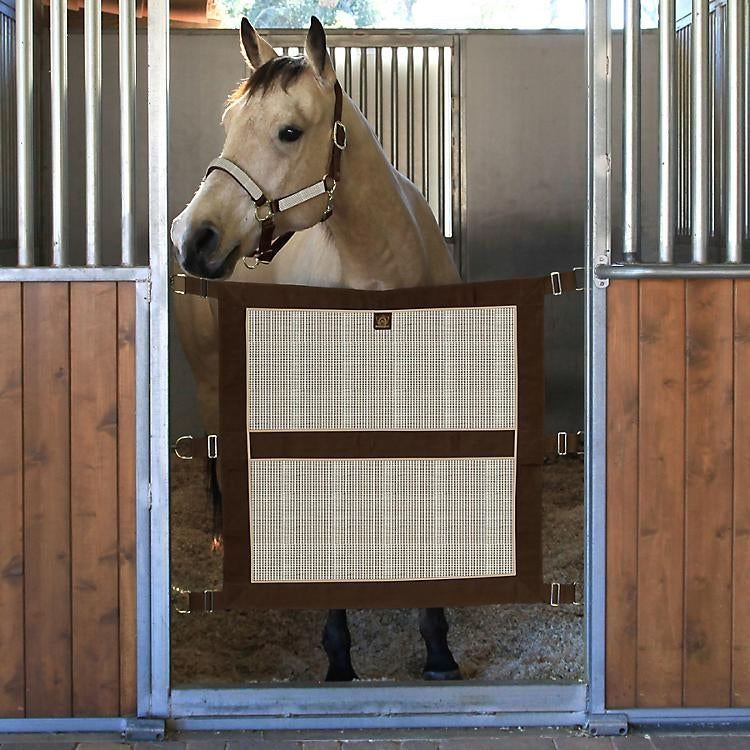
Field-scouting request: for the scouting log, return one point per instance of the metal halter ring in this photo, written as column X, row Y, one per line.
column 339, row 126
column 176, row 447
column 261, row 219
column 253, row 264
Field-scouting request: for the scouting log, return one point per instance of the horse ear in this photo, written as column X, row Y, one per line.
column 255, row 49
column 316, row 52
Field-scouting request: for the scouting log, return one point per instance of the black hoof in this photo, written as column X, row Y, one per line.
column 337, row 674
column 445, row 674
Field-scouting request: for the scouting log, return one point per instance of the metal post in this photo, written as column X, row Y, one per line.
column 441, row 137
column 735, row 132
column 394, row 108
column 158, row 151
column 598, row 244
column 25, row 129
column 426, row 123
column 631, row 136
column 127, row 130
column 667, row 110
column 700, row 128
column 59, row 125
column 93, row 89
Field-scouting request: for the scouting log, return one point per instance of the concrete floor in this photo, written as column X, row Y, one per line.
column 411, row 740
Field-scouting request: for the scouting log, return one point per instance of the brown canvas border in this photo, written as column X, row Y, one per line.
column 527, row 586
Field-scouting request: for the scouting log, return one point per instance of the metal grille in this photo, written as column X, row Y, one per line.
column 8, row 196
column 406, row 92
column 436, row 369
column 381, row 520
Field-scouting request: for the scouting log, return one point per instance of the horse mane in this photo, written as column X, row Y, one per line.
column 281, row 71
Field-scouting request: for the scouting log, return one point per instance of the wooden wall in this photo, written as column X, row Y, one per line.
column 678, row 494
column 67, row 485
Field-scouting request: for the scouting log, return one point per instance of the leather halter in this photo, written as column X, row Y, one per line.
column 266, row 209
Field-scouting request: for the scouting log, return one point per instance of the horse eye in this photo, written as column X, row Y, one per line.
column 289, row 133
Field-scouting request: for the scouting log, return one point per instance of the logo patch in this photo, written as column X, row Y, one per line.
column 383, row 321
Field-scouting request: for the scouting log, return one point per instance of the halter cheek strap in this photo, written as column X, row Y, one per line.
column 266, row 209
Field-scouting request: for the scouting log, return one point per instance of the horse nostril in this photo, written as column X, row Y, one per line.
column 204, row 240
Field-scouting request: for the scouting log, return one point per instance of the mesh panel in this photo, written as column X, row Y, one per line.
column 381, row 520
column 436, row 369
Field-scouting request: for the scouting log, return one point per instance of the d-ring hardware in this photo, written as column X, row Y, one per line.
column 213, row 446
column 176, row 447
column 260, row 219
column 576, row 269
column 339, row 127
column 562, row 443
column 253, row 264
column 177, row 282
column 554, row 594
column 576, row 600
column 557, row 289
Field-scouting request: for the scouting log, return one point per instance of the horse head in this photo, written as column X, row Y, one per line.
column 280, row 137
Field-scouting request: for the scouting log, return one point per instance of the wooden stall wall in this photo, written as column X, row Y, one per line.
column 678, row 494
column 67, row 483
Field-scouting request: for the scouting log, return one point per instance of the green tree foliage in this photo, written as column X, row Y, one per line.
column 295, row 14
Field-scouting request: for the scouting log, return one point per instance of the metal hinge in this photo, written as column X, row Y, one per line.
column 607, row 725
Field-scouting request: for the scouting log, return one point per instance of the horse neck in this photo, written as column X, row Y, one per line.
column 370, row 218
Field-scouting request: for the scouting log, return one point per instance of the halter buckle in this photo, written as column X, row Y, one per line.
column 260, row 219
column 339, row 127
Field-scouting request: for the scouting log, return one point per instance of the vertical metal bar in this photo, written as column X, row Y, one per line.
column 379, row 94
column 410, row 113
column 348, row 69
column 426, row 123
column 394, row 107
column 158, row 150
column 735, row 132
column 598, row 243
column 93, row 93
column 363, row 80
column 667, row 173
column 700, row 124
column 746, row 113
column 441, row 137
column 25, row 129
column 127, row 131
column 59, row 125
column 631, row 136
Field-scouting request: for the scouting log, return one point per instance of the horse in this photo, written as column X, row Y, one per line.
column 362, row 225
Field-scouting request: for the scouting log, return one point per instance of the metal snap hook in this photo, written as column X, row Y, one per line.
column 260, row 219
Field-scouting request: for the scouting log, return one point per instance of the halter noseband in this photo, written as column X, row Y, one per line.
column 266, row 209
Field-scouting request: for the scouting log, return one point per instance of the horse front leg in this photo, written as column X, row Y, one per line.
column 337, row 643
column 440, row 664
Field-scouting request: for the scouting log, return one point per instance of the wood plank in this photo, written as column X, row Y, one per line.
column 126, row 493
column 46, row 447
column 741, row 563
column 661, row 493
column 708, row 499
column 93, row 441
column 12, row 688
column 622, row 493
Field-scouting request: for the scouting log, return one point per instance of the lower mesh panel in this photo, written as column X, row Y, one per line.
column 381, row 520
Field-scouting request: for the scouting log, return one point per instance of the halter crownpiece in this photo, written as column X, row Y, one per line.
column 266, row 209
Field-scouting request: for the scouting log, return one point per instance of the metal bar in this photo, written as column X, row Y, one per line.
column 675, row 717
column 700, row 133
column 426, row 123
column 631, row 135
column 441, row 137
column 93, row 98
column 363, row 80
column 127, row 130
column 660, row 271
column 153, row 728
column 158, row 150
column 378, row 700
column 746, row 113
column 439, row 721
column 598, row 251
column 379, row 125
column 394, row 107
column 59, row 125
column 348, row 69
column 667, row 171
column 410, row 113
column 74, row 273
column 25, row 130
column 735, row 132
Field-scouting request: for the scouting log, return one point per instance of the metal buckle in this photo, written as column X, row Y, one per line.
column 557, row 289
column 562, row 443
column 260, row 219
column 580, row 437
column 177, row 282
column 213, row 446
column 338, row 126
column 575, row 270
column 181, row 600
column 176, row 447
column 554, row 594
column 576, row 600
